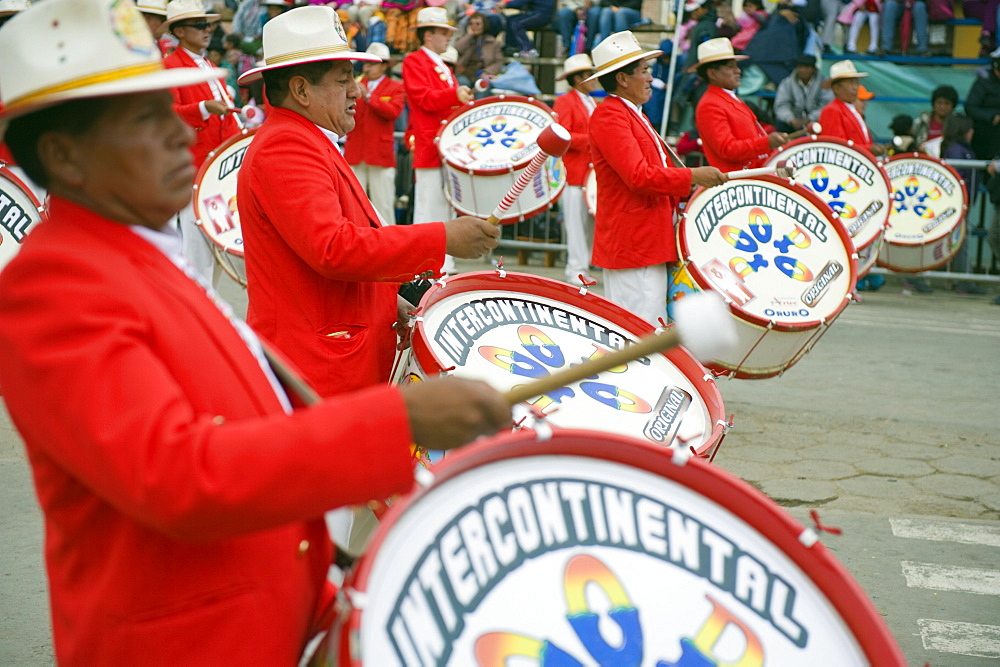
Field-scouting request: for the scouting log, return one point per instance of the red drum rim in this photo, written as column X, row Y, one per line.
column 799, row 544
column 595, row 304
column 812, row 198
column 205, row 166
column 25, row 190
column 495, row 99
column 813, row 138
column 947, row 167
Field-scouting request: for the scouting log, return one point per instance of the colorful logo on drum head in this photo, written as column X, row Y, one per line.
column 917, row 187
column 508, row 529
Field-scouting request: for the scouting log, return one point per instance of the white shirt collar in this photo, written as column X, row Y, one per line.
column 167, row 240
column 441, row 65
column 194, row 55
column 332, row 136
column 373, row 84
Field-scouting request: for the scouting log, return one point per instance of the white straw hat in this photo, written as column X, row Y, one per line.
column 158, row 7
column 61, row 50
column 433, row 17
column 380, row 51
column 715, row 50
column 8, row 7
column 304, row 35
column 618, row 50
column 843, row 69
column 581, row 62
column 450, row 55
column 182, row 10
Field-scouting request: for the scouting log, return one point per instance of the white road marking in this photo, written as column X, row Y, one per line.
column 974, row 639
column 995, row 333
column 940, row 531
column 951, row 578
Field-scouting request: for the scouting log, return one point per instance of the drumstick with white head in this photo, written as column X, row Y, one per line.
column 810, row 128
column 553, row 141
column 779, row 169
column 704, row 326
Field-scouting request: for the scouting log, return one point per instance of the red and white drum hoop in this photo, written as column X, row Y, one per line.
column 852, row 183
column 781, row 260
column 598, row 549
column 926, row 227
column 509, row 329
column 590, row 191
column 215, row 203
column 20, row 211
column 485, row 145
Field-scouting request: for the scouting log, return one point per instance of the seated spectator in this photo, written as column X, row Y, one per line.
column 479, row 53
column 891, row 13
column 830, row 10
column 661, row 72
column 902, row 135
column 612, row 16
column 983, row 106
column 855, row 14
column 495, row 22
column 750, row 21
column 782, row 39
column 704, row 14
column 533, row 14
column 568, row 20
column 986, row 12
column 800, row 96
column 930, row 124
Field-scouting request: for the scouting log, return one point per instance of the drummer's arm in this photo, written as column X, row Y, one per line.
column 579, row 134
column 717, row 132
column 612, row 138
column 190, row 112
column 387, row 107
column 425, row 93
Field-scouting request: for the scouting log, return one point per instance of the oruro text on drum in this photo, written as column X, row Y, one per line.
column 756, row 195
column 476, row 550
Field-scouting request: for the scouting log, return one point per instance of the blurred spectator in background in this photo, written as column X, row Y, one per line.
column 568, row 20
column 661, row 72
column 957, row 145
column 861, row 103
column 902, row 135
column 749, row 22
column 986, row 12
column 704, row 14
column 534, row 14
column 491, row 10
column 855, row 14
column 612, row 16
column 479, row 53
column 983, row 106
column 892, row 11
column 801, row 96
column 832, row 34
column 776, row 45
column 247, row 20
column 929, row 125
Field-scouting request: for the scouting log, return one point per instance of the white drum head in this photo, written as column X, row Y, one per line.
column 215, row 194
column 19, row 212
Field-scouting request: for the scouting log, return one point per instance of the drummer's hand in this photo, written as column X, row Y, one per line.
column 878, row 149
column 403, row 310
column 470, row 238
column 707, row 176
column 216, row 107
column 464, row 94
column 447, row 412
column 776, row 139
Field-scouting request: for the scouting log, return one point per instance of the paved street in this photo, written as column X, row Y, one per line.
column 889, row 428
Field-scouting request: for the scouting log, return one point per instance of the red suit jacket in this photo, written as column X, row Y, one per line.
column 573, row 115
column 431, row 97
column 182, row 506
column 210, row 132
column 322, row 271
column 371, row 139
column 838, row 120
column 636, row 195
column 731, row 137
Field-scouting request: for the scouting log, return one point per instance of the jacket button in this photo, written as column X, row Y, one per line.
column 303, row 547
column 218, row 420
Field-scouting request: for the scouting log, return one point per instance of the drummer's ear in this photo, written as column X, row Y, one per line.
column 60, row 158
column 298, row 88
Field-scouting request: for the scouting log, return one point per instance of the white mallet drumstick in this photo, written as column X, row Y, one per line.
column 811, row 128
column 553, row 141
column 704, row 326
column 781, row 169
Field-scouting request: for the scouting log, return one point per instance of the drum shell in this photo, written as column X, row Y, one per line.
column 478, row 194
column 21, row 212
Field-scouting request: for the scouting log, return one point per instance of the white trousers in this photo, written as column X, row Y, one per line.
column 380, row 184
column 196, row 246
column 430, row 204
column 642, row 291
column 579, row 232
column 857, row 22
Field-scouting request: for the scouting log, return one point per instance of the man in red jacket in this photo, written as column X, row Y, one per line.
column 322, row 269
column 731, row 137
column 574, row 110
column 370, row 148
column 432, row 93
column 180, row 489
column 206, row 107
column 639, row 182
column 840, row 118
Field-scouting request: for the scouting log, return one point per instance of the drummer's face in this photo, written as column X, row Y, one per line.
column 727, row 76
column 846, row 90
column 635, row 87
column 332, row 105
column 133, row 166
column 436, row 39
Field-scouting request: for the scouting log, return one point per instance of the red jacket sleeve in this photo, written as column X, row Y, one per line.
column 716, row 130
column 422, row 91
column 387, row 104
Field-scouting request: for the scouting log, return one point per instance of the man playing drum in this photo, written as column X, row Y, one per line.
column 432, row 92
column 731, row 137
column 574, row 110
column 206, row 107
column 840, row 118
column 180, row 491
column 639, row 182
column 322, row 269
column 370, row 148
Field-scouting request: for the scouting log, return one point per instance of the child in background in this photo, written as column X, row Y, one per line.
column 750, row 21
column 902, row 135
column 855, row 14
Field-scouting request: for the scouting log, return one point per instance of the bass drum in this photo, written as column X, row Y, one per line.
column 20, row 211
column 215, row 204
column 584, row 548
